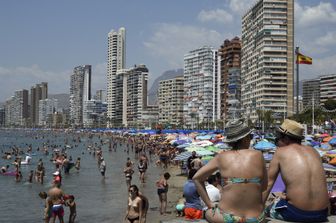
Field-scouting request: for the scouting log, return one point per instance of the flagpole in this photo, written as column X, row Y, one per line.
column 297, row 81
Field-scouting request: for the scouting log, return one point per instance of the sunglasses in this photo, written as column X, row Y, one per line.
column 132, row 191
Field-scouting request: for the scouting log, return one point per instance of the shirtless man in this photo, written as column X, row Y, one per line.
column 302, row 172
column 56, row 197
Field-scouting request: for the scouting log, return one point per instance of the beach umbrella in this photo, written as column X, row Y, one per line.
column 268, row 156
column 222, row 145
column 279, row 185
column 333, row 141
column 333, row 161
column 183, row 146
column 327, row 139
column 203, row 137
column 204, row 153
column 324, row 135
column 263, row 145
column 213, row 149
column 206, row 159
column 328, row 167
column 182, row 156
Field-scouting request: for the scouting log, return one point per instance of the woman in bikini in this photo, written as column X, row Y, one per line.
column 134, row 211
column 128, row 171
column 162, row 190
column 246, row 178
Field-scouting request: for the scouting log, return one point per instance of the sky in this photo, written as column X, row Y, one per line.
column 43, row 40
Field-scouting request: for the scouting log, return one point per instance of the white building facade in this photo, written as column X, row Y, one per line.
column 267, row 58
column 116, row 60
column 201, row 100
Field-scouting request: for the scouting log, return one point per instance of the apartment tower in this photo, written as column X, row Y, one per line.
column 229, row 57
column 170, row 100
column 201, row 87
column 116, row 60
column 80, row 91
column 267, row 58
column 37, row 93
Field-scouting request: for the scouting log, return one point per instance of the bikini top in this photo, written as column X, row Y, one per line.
column 238, row 180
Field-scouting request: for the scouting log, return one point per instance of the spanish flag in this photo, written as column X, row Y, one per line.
column 302, row 59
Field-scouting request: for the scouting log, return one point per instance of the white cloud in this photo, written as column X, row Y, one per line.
column 171, row 41
column 309, row 16
column 218, row 15
column 17, row 78
column 327, row 40
column 241, row 6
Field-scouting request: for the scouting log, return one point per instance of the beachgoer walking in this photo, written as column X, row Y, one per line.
column 128, row 171
column 162, row 190
column 102, row 166
column 57, row 182
column 142, row 167
column 303, row 175
column 77, row 164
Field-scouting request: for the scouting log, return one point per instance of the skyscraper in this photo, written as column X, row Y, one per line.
column 37, row 93
column 201, row 87
column 80, row 91
column 267, row 58
column 116, row 60
column 229, row 56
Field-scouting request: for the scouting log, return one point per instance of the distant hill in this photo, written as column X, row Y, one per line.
column 63, row 100
column 169, row 74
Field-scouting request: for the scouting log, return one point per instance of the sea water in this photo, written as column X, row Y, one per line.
column 98, row 200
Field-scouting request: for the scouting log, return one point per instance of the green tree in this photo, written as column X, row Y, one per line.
column 330, row 104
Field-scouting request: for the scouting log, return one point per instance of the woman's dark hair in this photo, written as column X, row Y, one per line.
column 135, row 188
column 166, row 175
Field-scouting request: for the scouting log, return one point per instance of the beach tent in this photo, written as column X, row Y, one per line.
column 264, row 145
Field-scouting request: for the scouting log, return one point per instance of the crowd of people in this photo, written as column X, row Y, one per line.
column 234, row 186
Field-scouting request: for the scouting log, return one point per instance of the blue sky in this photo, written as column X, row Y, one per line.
column 43, row 40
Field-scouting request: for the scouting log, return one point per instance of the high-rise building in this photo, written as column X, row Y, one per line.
column 37, row 93
column 134, row 95
column 99, row 96
column 170, row 101
column 229, row 57
column 267, row 58
column 310, row 90
column 16, row 109
column 47, row 107
column 80, row 91
column 201, row 87
column 327, row 88
column 116, row 60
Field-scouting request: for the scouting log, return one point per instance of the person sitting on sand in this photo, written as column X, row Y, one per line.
column 180, row 207
column 303, row 175
column 245, row 170
column 193, row 206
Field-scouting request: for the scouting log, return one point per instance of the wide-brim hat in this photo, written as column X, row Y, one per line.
column 292, row 129
column 236, row 130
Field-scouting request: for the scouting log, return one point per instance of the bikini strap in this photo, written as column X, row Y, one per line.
column 238, row 180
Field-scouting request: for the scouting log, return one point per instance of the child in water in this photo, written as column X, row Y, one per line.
column 70, row 202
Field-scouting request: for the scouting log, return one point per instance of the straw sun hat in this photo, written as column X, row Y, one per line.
column 292, row 129
column 236, row 130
